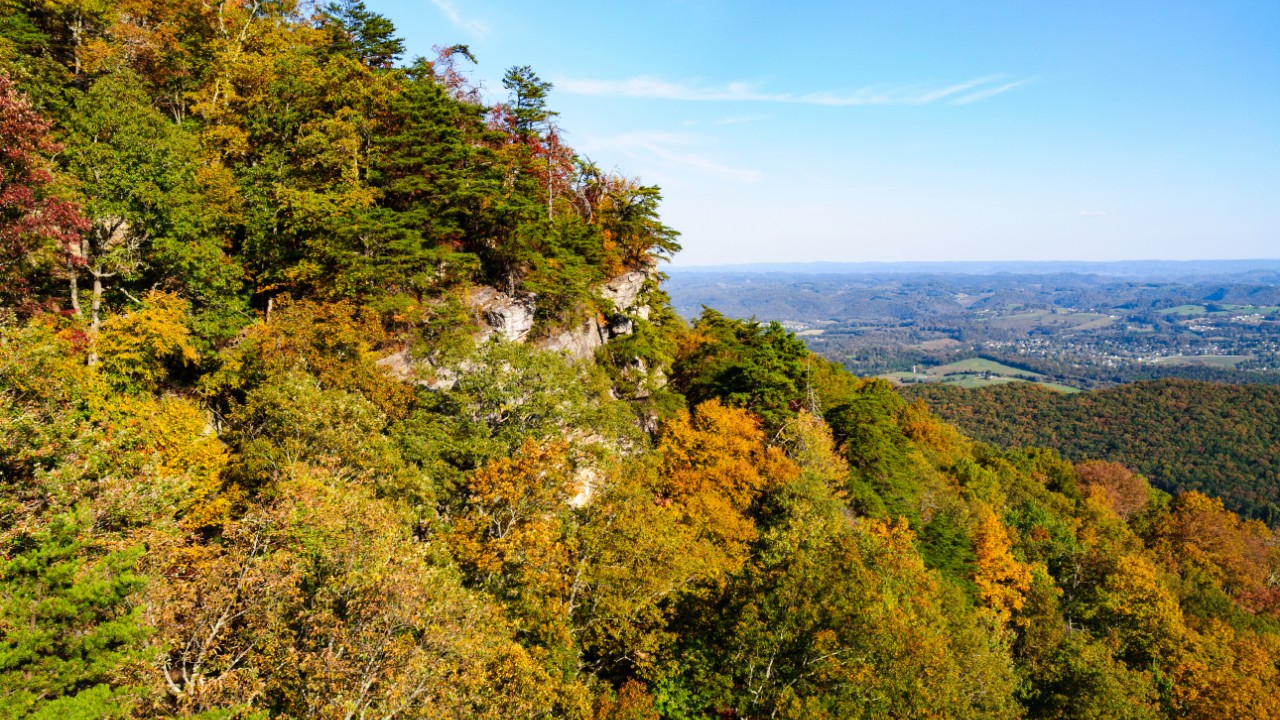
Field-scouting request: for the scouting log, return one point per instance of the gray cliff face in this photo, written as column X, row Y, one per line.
column 511, row 318
column 507, row 316
column 579, row 342
column 624, row 290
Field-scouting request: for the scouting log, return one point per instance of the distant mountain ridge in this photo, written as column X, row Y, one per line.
column 1133, row 268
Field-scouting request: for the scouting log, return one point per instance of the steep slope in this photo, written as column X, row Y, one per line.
column 327, row 391
column 1184, row 435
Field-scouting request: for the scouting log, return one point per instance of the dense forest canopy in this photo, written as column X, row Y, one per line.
column 1184, row 435
column 261, row 453
column 237, row 153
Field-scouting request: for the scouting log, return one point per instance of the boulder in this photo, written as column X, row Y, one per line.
column 507, row 316
column 579, row 342
column 624, row 290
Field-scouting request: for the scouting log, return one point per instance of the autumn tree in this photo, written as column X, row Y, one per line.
column 836, row 620
column 139, row 346
column 1002, row 580
column 37, row 228
column 1215, row 551
column 715, row 465
column 1135, row 603
column 514, row 538
column 1127, row 491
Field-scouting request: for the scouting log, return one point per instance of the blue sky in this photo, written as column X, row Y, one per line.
column 912, row 129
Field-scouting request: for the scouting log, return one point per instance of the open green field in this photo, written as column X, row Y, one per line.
column 1218, row 361
column 975, row 373
column 975, row 381
column 979, row 365
column 938, row 344
column 1194, row 310
column 902, row 376
column 1185, row 310
column 1059, row 320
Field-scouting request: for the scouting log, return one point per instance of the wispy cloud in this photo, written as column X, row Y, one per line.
column 985, row 93
column 961, row 93
column 740, row 120
column 671, row 148
column 451, row 12
column 1093, row 213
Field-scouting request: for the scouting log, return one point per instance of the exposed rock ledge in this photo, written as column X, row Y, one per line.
column 511, row 317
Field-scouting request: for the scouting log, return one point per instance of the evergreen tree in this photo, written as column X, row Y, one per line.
column 362, row 34
column 528, row 100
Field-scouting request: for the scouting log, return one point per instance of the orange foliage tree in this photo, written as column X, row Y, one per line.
column 715, row 462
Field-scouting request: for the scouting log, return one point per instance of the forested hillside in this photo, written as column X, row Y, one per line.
column 282, row 435
column 1184, row 435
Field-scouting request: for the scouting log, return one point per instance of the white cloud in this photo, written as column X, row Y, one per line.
column 658, row 89
column 740, row 120
column 1093, row 213
column 670, row 148
column 451, row 12
column 991, row 92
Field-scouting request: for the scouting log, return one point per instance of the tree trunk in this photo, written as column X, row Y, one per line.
column 75, row 291
column 95, row 316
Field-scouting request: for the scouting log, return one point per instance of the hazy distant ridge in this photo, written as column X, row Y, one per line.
column 1137, row 268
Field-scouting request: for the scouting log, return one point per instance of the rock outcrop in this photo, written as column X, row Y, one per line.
column 507, row 316
column 624, row 292
column 579, row 342
column 511, row 317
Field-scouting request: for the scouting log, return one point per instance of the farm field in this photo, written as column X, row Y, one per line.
column 1052, row 319
column 975, row 373
column 1218, row 361
column 981, row 365
column 1195, row 310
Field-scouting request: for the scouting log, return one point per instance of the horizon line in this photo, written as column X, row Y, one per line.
column 838, row 265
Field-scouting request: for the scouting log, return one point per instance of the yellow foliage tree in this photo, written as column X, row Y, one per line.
column 714, row 464
column 1002, row 580
column 136, row 346
column 335, row 342
column 812, row 448
column 323, row 604
column 1202, row 537
column 511, row 537
column 931, row 432
column 1143, row 614
column 1228, row 675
